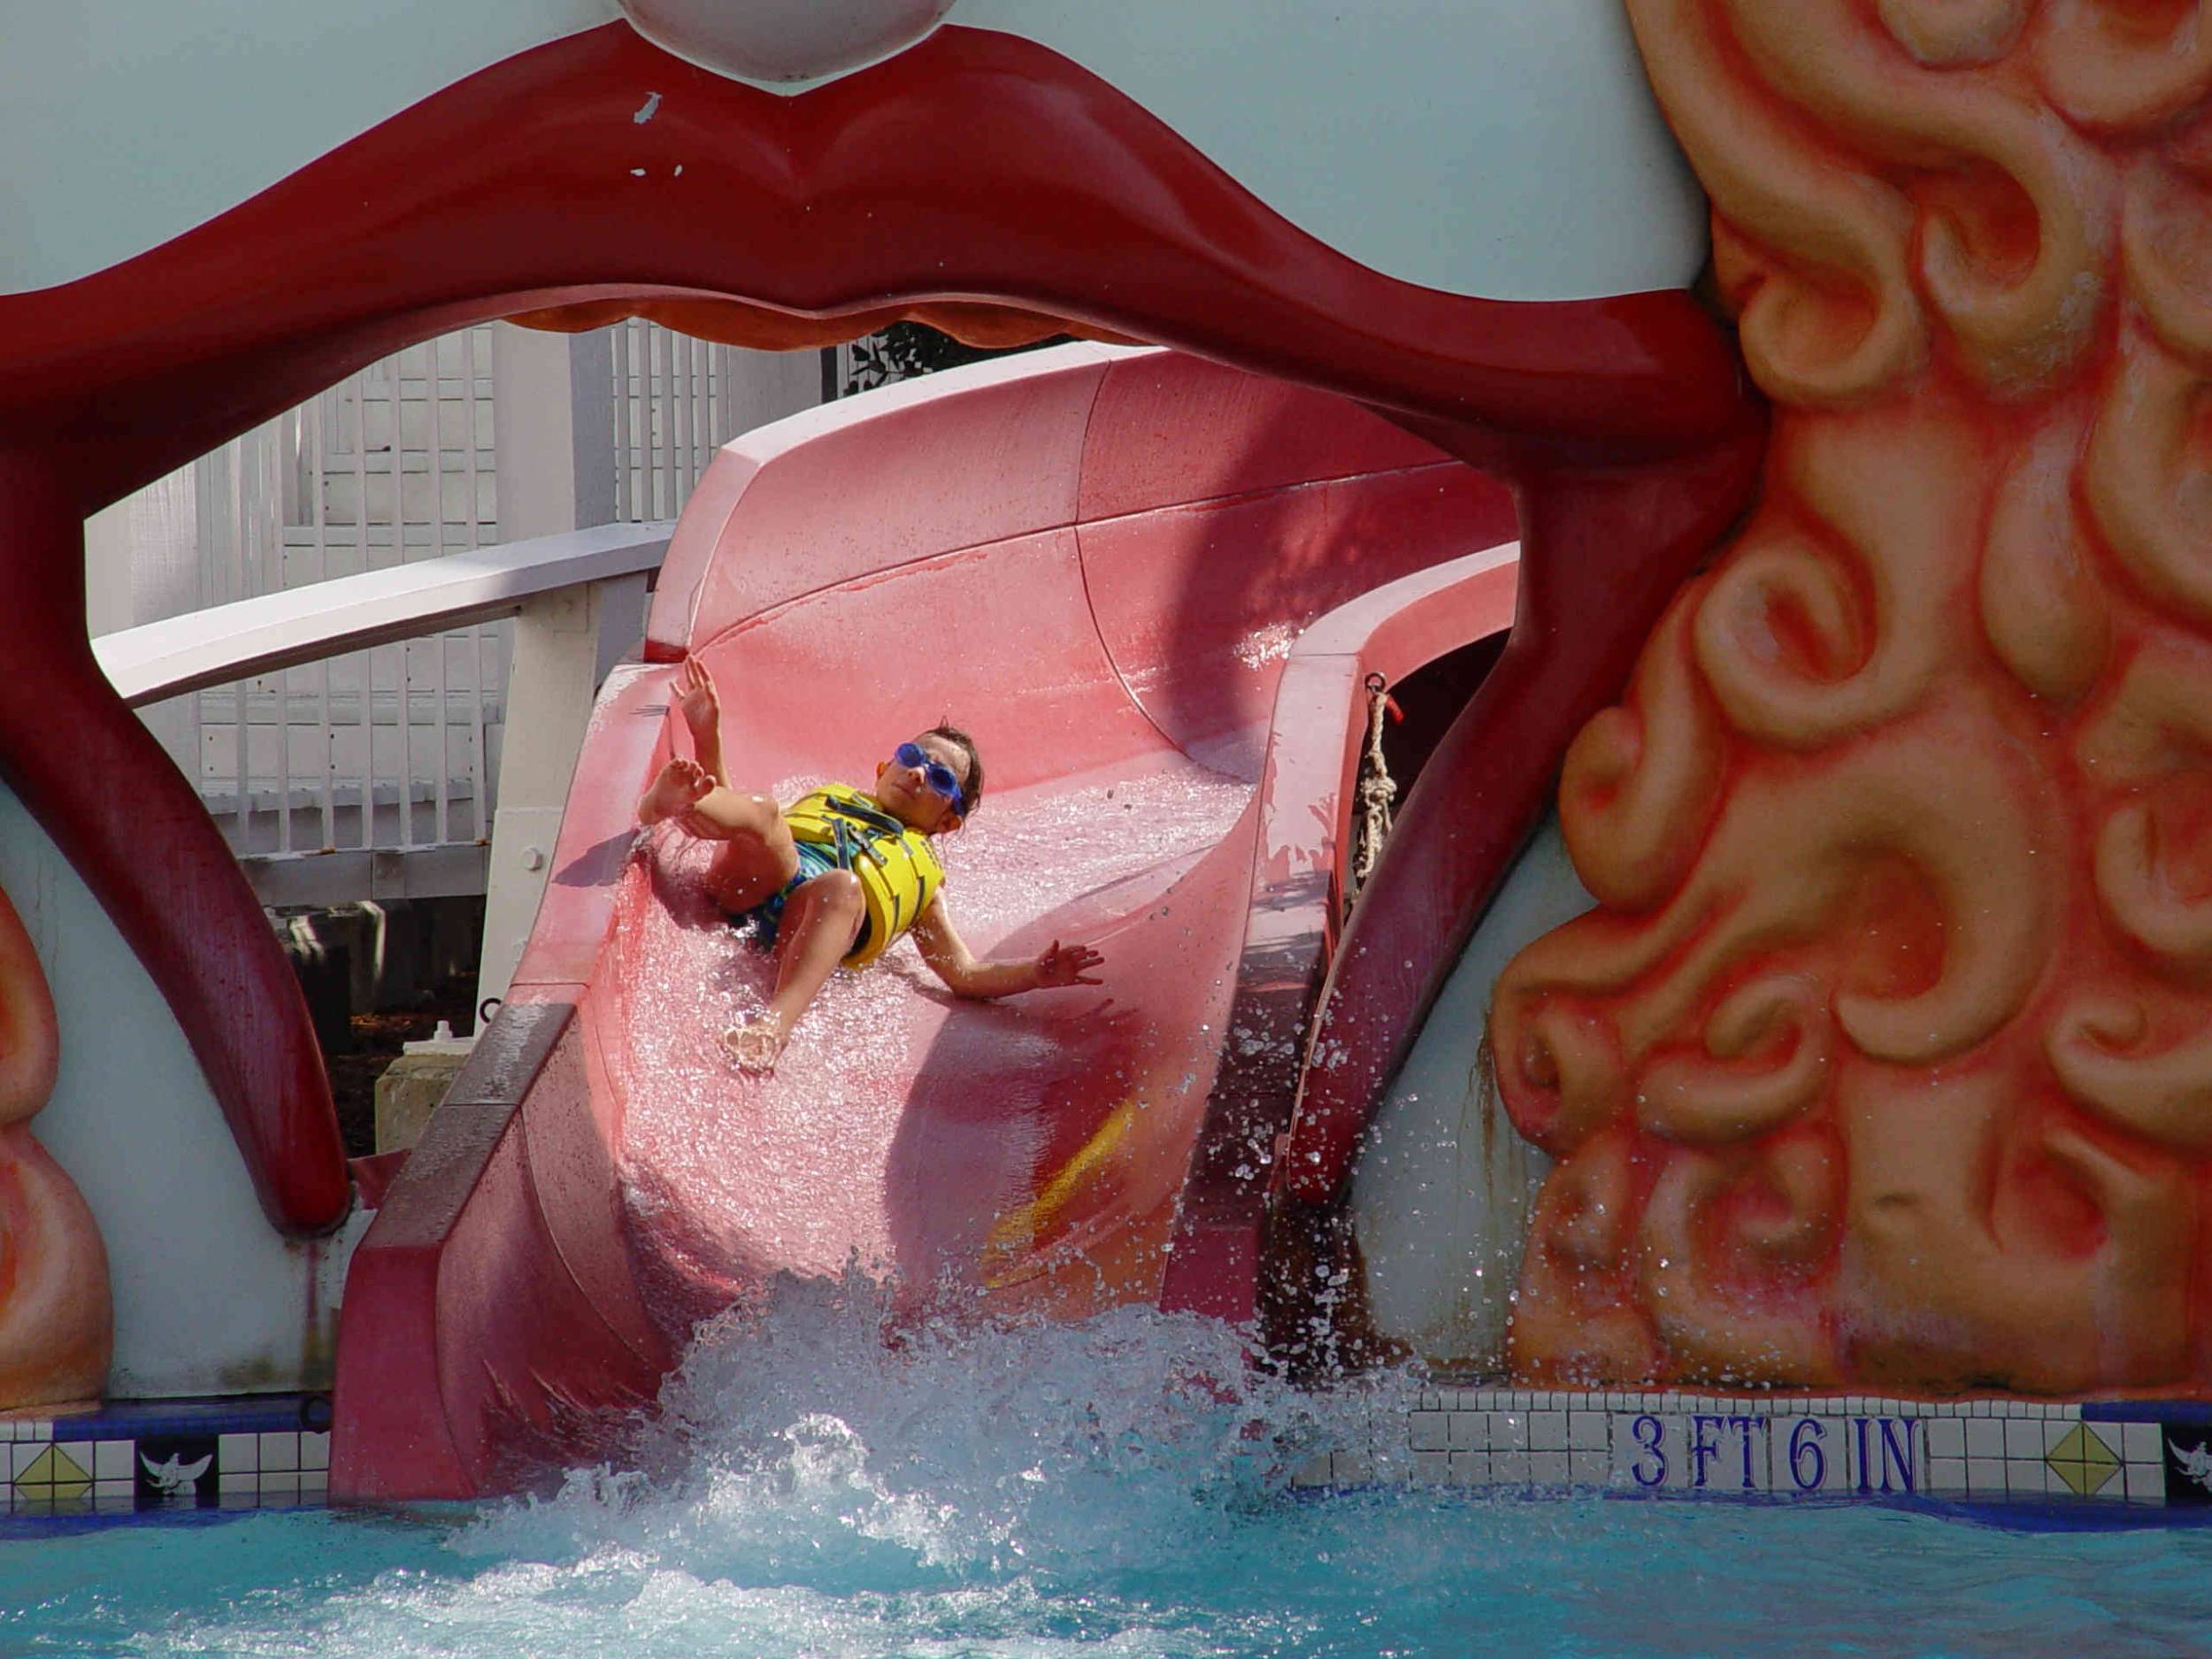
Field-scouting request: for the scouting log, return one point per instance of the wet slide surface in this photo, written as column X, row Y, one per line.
column 1103, row 562
column 913, row 1124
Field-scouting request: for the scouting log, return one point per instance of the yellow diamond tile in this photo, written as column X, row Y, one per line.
column 2083, row 1459
column 56, row 1469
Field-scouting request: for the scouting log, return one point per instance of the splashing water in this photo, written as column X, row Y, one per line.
column 822, row 1483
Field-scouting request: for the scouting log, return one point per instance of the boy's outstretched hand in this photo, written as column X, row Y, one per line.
column 1059, row 964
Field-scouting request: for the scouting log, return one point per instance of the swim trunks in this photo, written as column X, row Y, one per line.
column 762, row 920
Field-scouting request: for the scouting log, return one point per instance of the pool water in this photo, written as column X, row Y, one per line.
column 819, row 1484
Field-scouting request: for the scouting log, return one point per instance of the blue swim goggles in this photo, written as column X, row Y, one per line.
column 935, row 773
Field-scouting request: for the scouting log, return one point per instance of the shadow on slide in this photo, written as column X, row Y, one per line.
column 1153, row 589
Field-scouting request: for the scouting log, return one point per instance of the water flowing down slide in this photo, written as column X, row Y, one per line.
column 1153, row 588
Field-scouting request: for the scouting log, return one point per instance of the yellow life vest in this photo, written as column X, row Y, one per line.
column 899, row 872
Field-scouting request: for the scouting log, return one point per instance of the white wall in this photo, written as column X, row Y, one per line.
column 208, row 1298
column 1510, row 148
column 1444, row 1187
column 124, row 123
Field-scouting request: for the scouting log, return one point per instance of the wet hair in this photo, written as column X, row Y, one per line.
column 971, row 785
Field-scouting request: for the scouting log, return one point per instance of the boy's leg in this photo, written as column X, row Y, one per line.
column 757, row 855
column 820, row 920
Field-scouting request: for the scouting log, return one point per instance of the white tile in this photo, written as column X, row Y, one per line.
column 238, row 1453
column 1471, row 1469
column 1548, row 1469
column 1585, row 1431
column 1897, row 1448
column 37, row 1429
column 1588, row 1468
column 124, row 1488
column 1985, row 1477
column 114, row 1460
column 115, row 1503
column 1947, row 1474
column 1946, row 1438
column 229, row 1482
column 2106, row 1435
column 2031, row 1476
column 1509, row 1468
column 2023, row 1439
column 1431, row 1468
column 1985, row 1438
column 1809, row 1454
column 1741, row 1461
column 1429, row 1400
column 1345, row 1468
column 2056, row 1429
column 2141, row 1442
column 2145, row 1482
column 1465, row 1430
column 23, row 1454
column 283, row 1483
column 1429, row 1432
column 280, row 1451
column 1547, row 1431
column 2070, row 1409
column 1508, row 1431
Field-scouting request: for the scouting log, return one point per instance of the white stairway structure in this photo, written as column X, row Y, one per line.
column 374, row 770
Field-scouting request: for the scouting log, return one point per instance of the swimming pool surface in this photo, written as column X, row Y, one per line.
column 1121, row 1488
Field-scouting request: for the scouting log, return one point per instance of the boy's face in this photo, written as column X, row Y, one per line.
column 906, row 792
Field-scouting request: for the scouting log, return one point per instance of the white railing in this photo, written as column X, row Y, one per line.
column 395, row 745
column 676, row 402
column 305, row 630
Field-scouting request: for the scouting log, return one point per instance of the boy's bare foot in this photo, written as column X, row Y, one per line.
column 756, row 1044
column 681, row 784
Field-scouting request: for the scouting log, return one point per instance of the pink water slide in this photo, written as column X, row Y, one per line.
column 1154, row 589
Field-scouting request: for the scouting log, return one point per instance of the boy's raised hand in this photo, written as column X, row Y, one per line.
column 697, row 701
column 1059, row 964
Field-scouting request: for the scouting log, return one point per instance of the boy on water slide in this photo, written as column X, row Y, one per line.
column 840, row 874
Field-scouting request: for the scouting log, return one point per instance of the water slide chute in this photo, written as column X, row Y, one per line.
column 1101, row 559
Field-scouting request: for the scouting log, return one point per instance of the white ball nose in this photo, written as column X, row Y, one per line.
column 783, row 40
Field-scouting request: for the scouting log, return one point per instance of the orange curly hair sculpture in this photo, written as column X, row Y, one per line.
column 1886, row 1058
column 56, row 1325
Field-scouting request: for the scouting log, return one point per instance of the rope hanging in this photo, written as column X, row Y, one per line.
column 1376, row 789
